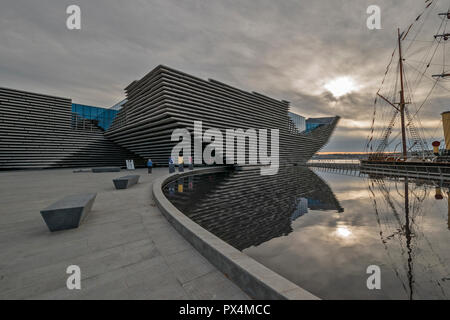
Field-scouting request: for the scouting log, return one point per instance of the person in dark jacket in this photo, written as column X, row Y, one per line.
column 149, row 165
column 171, row 165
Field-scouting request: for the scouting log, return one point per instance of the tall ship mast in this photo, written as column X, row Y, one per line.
column 415, row 83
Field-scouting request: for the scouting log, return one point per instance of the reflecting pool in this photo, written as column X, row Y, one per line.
column 323, row 230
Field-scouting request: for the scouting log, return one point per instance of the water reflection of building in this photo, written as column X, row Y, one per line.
column 317, row 204
column 246, row 209
column 303, row 204
column 302, row 208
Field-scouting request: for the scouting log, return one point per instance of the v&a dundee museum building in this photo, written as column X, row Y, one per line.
column 42, row 131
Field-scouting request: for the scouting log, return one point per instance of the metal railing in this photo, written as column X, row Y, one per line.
column 432, row 172
column 429, row 172
column 82, row 124
column 348, row 168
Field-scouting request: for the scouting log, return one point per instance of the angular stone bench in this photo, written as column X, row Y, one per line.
column 126, row 181
column 68, row 212
column 106, row 169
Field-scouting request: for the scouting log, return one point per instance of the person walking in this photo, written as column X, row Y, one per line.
column 149, row 165
column 171, row 165
column 180, row 164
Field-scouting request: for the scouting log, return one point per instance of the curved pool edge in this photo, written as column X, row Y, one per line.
column 258, row 281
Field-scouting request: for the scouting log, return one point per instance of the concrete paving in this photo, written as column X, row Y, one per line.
column 125, row 248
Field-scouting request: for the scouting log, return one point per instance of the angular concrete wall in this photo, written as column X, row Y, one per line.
column 40, row 131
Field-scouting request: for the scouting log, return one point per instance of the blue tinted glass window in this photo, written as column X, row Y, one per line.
column 103, row 116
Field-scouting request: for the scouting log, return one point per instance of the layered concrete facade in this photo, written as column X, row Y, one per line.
column 40, row 131
column 166, row 99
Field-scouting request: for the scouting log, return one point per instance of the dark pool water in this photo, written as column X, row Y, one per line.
column 322, row 230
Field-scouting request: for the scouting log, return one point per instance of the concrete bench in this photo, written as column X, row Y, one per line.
column 106, row 169
column 126, row 181
column 68, row 212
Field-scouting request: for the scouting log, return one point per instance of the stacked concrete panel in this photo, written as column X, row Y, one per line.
column 40, row 131
column 166, row 99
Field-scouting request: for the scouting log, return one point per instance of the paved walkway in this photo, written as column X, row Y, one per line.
column 126, row 249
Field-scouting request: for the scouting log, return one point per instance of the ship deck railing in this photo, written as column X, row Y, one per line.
column 413, row 170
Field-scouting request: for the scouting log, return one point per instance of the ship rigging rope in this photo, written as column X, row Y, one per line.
column 434, row 3
column 429, row 93
column 384, row 135
column 386, row 114
column 372, row 128
column 437, row 42
column 431, row 64
column 417, row 136
column 428, row 78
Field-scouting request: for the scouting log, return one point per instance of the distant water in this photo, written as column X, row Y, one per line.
column 322, row 230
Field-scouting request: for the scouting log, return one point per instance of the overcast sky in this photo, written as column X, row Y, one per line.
column 287, row 49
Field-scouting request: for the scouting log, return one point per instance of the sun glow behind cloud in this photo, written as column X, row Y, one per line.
column 341, row 86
